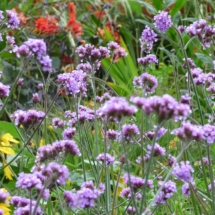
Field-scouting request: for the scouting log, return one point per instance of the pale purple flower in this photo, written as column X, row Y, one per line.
column 209, row 133
column 185, row 189
column 116, row 108
column 171, row 160
column 85, row 197
column 129, row 131
column 148, row 37
column 169, row 188
column 57, row 172
column 46, row 63
column 20, row 81
column 75, row 83
column 1, row 15
column 10, row 40
column 68, row 133
column 162, row 21
column 1, row 39
column 149, row 59
column 113, row 45
column 40, row 86
column 3, row 196
column 112, row 134
column 105, row 157
column 158, row 150
column 147, row 82
column 4, row 90
column 185, row 99
column 28, row 181
column 12, row 19
column 126, row 193
column 85, row 67
column 190, row 62
column 211, row 88
column 1, row 212
column 181, row 28
column 196, row 27
column 119, row 53
column 27, row 118
column 210, row 186
column 131, row 210
column 136, row 182
column 58, row 123
column 35, row 98
column 160, row 133
column 183, row 171
column 166, row 107
column 188, row 132
column 103, row 98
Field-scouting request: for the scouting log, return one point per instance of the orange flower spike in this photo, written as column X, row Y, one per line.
column 47, row 25
column 72, row 11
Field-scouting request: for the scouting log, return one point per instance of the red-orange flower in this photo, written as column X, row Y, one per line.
column 47, row 25
column 72, row 25
column 22, row 18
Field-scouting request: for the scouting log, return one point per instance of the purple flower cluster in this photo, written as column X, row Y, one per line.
column 188, row 132
column 149, row 59
column 51, row 152
column 131, row 210
column 209, row 133
column 75, row 83
column 27, row 118
column 183, row 171
column 162, row 21
column 158, row 150
column 147, row 82
column 85, row 197
column 85, row 67
column 58, row 123
column 169, row 188
column 116, row 108
column 22, row 206
column 166, row 107
column 105, row 158
column 4, row 90
column 160, row 133
column 88, row 53
column 113, row 46
column 192, row 65
column 68, row 133
column 12, row 20
column 129, row 131
column 204, row 32
column 118, row 54
column 127, row 194
column 36, row 47
column 103, row 98
column 136, row 182
column 3, row 196
column 35, row 98
column 112, row 134
column 148, row 37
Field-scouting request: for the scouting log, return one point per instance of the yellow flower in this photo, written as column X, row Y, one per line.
column 42, row 142
column 5, row 205
column 6, row 149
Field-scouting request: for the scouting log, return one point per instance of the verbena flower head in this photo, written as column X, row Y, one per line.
column 171, row 160
column 85, row 67
column 166, row 107
column 4, row 90
column 28, row 181
column 147, row 82
column 183, row 171
column 27, row 118
column 113, row 46
column 22, row 206
column 68, row 133
column 3, row 196
column 12, row 20
column 112, row 134
column 1, row 15
column 136, row 182
column 149, row 59
column 105, row 158
column 35, row 98
column 189, row 132
column 103, row 98
column 169, row 188
column 162, row 21
column 126, row 193
column 118, row 54
column 75, row 83
column 185, row 189
column 57, row 172
column 209, row 133
column 129, row 131
column 148, row 37
column 158, row 150
column 85, row 197
column 116, row 108
column 131, row 210
column 190, row 62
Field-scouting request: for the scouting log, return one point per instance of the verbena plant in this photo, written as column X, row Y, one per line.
column 79, row 148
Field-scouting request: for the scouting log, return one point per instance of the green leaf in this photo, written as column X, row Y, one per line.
column 204, row 58
column 8, row 127
column 121, row 91
column 158, row 4
column 178, row 5
column 135, row 7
